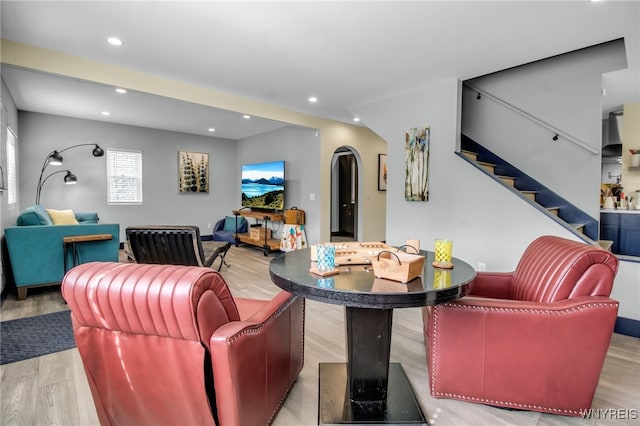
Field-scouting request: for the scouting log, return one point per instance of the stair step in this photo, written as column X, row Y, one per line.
column 605, row 244
column 470, row 155
column 559, row 210
column 487, row 166
column 554, row 211
column 509, row 180
column 578, row 227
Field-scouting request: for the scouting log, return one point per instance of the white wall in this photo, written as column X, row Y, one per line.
column 162, row 203
column 611, row 171
column 563, row 91
column 626, row 289
column 8, row 213
column 487, row 222
column 463, row 204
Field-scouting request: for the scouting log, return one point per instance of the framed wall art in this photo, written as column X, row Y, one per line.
column 193, row 172
column 382, row 172
column 416, row 184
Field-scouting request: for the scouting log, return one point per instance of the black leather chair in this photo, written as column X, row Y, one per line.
column 173, row 245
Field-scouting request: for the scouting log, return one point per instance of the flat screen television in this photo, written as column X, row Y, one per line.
column 263, row 186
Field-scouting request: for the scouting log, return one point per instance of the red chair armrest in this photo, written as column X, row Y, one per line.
column 496, row 285
column 272, row 341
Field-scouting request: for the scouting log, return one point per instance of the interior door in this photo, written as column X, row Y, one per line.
column 347, row 194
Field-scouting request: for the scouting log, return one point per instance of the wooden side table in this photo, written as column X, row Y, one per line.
column 71, row 242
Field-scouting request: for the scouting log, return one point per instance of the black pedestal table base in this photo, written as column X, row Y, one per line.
column 336, row 408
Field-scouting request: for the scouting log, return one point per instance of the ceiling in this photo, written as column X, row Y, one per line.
column 344, row 53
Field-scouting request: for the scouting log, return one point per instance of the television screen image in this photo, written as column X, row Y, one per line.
column 263, row 186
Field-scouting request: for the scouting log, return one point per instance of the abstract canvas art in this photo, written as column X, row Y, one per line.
column 382, row 172
column 416, row 184
column 193, row 172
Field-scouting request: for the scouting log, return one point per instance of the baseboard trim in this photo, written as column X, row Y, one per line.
column 627, row 326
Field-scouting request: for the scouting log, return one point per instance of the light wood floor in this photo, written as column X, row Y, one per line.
column 53, row 390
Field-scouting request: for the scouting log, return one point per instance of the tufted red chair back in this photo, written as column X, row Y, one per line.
column 553, row 269
column 141, row 331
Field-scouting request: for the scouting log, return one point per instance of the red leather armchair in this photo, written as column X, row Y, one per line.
column 533, row 339
column 170, row 345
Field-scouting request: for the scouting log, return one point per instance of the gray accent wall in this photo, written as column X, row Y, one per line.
column 299, row 147
column 162, row 203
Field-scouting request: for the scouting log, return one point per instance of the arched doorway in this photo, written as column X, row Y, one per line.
column 344, row 194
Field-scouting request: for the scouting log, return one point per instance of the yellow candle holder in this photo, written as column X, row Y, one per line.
column 443, row 253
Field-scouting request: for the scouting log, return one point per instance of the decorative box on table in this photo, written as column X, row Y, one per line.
column 398, row 265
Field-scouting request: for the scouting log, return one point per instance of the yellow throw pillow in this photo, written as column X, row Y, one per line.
column 62, row 217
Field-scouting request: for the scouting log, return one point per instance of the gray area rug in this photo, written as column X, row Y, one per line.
column 30, row 337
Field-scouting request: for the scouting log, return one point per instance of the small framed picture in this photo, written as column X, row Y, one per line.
column 382, row 172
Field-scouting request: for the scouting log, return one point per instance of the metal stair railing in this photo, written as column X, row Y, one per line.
column 557, row 132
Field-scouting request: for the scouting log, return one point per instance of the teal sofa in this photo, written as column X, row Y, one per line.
column 37, row 254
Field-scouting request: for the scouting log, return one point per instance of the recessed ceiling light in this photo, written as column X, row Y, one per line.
column 211, row 129
column 121, row 90
column 313, row 99
column 246, row 116
column 356, row 119
column 114, row 41
column 106, row 113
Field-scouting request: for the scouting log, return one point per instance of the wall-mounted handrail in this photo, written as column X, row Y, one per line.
column 557, row 132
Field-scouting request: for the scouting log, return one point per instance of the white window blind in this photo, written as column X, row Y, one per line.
column 12, row 187
column 124, row 177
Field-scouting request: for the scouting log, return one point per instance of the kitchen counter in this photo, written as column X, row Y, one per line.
column 622, row 211
column 622, row 227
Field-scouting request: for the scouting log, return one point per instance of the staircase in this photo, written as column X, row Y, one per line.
column 533, row 192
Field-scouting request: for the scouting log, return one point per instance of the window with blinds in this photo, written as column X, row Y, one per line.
column 124, row 177
column 12, row 178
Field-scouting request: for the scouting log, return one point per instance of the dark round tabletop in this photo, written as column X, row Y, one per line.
column 357, row 286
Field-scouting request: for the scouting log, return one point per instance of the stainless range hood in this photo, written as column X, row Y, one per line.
column 612, row 135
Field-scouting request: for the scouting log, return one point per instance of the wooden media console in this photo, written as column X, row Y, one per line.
column 262, row 237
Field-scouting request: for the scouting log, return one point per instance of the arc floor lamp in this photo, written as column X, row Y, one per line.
column 55, row 159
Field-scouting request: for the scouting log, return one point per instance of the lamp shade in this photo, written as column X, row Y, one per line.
column 70, row 178
column 97, row 151
column 55, row 159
